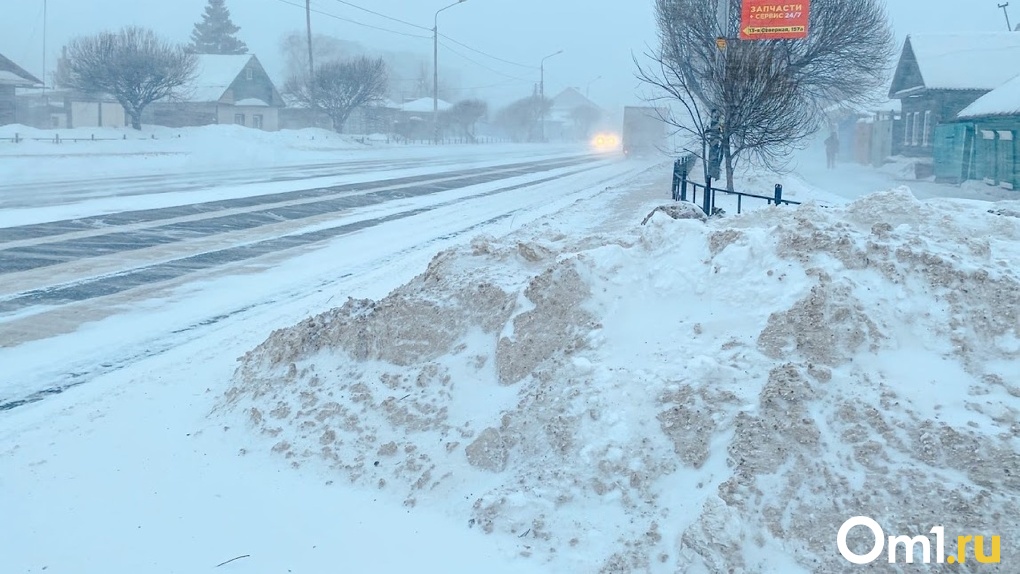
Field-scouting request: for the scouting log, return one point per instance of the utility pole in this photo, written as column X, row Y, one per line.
column 435, row 72
column 308, row 26
column 587, row 89
column 44, row 55
column 1003, row 6
column 541, row 92
column 311, row 63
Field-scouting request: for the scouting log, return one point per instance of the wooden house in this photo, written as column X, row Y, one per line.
column 982, row 144
column 227, row 89
column 939, row 75
column 12, row 77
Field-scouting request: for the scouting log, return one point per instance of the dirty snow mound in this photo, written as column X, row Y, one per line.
column 686, row 396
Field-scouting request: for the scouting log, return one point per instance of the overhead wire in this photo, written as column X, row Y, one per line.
column 334, row 16
column 419, row 36
column 493, row 70
column 488, row 55
column 406, row 23
column 381, row 15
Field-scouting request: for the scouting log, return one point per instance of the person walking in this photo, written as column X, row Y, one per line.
column 831, row 149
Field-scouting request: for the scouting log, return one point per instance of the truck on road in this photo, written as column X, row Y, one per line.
column 644, row 131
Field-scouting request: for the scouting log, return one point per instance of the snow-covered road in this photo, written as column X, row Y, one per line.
column 133, row 278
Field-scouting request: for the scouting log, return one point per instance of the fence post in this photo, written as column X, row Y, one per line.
column 779, row 194
column 683, row 183
column 56, row 138
column 707, row 207
column 16, row 140
column 675, row 188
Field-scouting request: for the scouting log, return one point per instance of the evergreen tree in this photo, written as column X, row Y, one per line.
column 215, row 33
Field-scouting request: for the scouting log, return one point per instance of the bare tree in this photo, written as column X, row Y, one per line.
column 134, row 66
column 465, row 114
column 521, row 118
column 325, row 48
column 341, row 86
column 759, row 99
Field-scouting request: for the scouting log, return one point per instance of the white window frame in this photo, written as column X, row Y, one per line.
column 927, row 128
column 906, row 128
column 249, row 74
column 256, row 121
column 241, row 118
column 914, row 134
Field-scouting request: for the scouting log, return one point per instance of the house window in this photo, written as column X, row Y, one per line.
column 927, row 127
column 906, row 128
column 256, row 121
column 917, row 128
column 249, row 74
column 239, row 119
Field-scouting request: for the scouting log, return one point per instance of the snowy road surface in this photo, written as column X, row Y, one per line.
column 58, row 274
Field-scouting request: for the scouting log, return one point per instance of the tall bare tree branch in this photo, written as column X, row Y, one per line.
column 770, row 94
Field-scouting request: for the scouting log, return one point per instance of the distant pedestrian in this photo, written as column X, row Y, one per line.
column 831, row 149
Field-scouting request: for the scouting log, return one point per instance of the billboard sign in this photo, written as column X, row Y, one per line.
column 774, row 19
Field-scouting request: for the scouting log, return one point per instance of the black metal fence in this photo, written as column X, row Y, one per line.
column 681, row 182
column 55, row 138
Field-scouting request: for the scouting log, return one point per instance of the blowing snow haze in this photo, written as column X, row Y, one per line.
column 256, row 318
column 597, row 38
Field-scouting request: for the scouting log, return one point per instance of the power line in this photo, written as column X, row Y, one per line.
column 384, row 16
column 482, row 65
column 334, row 16
column 488, row 55
column 381, row 15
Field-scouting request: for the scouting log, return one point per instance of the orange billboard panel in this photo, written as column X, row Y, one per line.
column 774, row 19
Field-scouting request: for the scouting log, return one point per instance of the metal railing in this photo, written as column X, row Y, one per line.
column 55, row 138
column 681, row 170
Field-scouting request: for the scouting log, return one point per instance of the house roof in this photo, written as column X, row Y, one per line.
column 1002, row 101
column 569, row 99
column 964, row 61
column 214, row 75
column 13, row 74
column 424, row 105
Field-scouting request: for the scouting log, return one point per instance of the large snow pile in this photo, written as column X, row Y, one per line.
column 683, row 397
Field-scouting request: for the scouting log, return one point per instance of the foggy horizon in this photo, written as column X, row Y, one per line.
column 492, row 52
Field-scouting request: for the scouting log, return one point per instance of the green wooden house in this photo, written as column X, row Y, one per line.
column 982, row 143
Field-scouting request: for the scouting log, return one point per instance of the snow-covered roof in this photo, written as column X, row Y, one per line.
column 214, row 75
column 973, row 61
column 424, row 105
column 1002, row 101
column 253, row 102
column 13, row 74
column 570, row 99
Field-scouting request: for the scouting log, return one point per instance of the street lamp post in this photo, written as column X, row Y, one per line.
column 435, row 72
column 541, row 89
column 587, row 89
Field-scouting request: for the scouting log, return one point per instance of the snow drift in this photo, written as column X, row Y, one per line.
column 684, row 396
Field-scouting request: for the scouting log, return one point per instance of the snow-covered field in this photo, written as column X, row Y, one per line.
column 209, row 151
column 579, row 392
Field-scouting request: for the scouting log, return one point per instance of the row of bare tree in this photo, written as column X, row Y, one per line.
column 137, row 68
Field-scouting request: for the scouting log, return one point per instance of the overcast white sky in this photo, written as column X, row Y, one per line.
column 598, row 37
